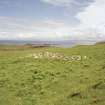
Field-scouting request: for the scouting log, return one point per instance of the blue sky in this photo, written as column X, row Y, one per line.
column 52, row 19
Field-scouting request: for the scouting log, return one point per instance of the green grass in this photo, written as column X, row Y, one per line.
column 29, row 81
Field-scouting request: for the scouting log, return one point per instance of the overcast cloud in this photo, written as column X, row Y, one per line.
column 90, row 14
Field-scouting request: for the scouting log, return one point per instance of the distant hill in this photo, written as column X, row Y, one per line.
column 103, row 42
column 60, row 43
column 64, row 43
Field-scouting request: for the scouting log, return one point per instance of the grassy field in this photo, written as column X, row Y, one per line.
column 29, row 81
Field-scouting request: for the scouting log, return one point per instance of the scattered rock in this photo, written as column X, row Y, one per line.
column 86, row 65
column 103, row 67
column 77, row 94
column 96, row 85
column 96, row 100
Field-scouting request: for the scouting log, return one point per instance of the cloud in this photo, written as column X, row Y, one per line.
column 93, row 15
column 58, row 2
column 11, row 28
column 91, row 27
column 67, row 3
column 92, row 19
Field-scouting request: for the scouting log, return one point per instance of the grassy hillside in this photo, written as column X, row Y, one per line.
column 25, row 80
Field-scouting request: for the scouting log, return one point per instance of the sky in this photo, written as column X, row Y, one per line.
column 52, row 20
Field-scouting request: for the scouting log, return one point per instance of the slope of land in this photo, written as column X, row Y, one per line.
column 29, row 81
